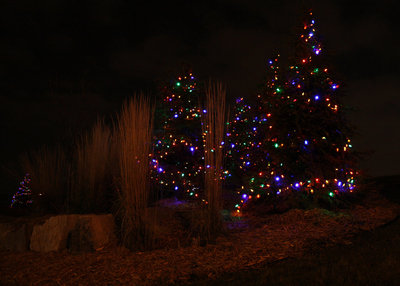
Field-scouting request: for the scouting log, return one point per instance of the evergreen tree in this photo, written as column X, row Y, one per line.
column 178, row 162
column 316, row 149
column 250, row 143
column 297, row 138
column 23, row 197
column 239, row 136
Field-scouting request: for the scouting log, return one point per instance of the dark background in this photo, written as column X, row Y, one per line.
column 63, row 63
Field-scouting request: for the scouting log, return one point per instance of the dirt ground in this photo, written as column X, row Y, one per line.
column 248, row 243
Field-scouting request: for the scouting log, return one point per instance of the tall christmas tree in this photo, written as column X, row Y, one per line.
column 317, row 146
column 178, row 163
column 304, row 144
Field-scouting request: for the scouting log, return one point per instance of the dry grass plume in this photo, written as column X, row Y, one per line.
column 134, row 135
column 90, row 182
column 213, row 128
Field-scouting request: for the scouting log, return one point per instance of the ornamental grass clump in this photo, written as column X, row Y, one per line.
column 133, row 142
column 91, row 181
column 50, row 171
column 213, row 130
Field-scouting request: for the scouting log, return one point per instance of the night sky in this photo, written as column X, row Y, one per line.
column 64, row 62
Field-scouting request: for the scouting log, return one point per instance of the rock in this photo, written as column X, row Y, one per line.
column 80, row 238
column 103, row 231
column 92, row 232
column 75, row 232
column 52, row 235
column 13, row 237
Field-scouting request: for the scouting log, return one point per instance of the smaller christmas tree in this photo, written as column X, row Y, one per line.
column 23, row 197
column 178, row 162
column 251, row 140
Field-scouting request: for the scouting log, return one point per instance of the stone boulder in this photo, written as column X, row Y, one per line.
column 73, row 232
column 91, row 232
column 52, row 235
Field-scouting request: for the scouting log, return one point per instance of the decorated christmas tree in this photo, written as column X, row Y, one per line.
column 317, row 148
column 178, row 161
column 23, row 197
column 239, row 138
column 304, row 144
column 252, row 141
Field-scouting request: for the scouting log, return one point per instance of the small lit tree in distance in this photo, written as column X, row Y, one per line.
column 23, row 197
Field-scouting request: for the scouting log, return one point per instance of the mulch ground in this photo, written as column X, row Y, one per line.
column 250, row 243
